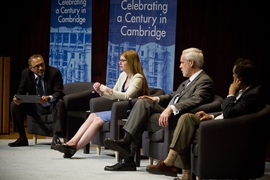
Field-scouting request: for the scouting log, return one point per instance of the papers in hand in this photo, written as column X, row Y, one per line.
column 28, row 98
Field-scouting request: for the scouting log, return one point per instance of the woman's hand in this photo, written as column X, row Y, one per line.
column 103, row 88
column 96, row 87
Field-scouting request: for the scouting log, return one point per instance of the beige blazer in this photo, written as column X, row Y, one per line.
column 134, row 90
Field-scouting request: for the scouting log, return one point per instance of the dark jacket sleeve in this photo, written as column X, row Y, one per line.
column 27, row 83
column 250, row 101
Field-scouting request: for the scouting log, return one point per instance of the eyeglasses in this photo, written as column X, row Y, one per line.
column 122, row 60
column 38, row 65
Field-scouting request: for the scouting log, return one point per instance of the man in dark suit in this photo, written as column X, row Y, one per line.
column 46, row 82
column 197, row 90
column 238, row 102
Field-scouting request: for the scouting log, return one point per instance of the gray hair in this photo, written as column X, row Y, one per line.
column 194, row 54
column 32, row 57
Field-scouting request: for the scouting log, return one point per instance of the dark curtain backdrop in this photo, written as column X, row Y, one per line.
column 224, row 30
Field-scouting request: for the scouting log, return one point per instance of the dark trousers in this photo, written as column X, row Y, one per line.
column 18, row 112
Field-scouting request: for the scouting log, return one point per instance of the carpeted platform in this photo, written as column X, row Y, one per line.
column 39, row 162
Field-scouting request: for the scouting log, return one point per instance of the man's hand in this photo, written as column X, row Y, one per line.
column 234, row 86
column 17, row 101
column 43, row 100
column 203, row 116
column 148, row 97
column 163, row 120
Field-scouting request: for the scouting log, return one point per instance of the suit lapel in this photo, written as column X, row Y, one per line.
column 33, row 84
column 192, row 83
column 244, row 93
column 46, row 82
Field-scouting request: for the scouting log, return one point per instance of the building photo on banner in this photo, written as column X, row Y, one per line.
column 71, row 39
column 149, row 28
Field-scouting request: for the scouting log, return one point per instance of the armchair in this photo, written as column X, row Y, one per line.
column 76, row 98
column 232, row 148
column 118, row 108
column 156, row 145
column 76, row 102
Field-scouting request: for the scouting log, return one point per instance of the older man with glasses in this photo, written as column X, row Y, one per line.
column 46, row 82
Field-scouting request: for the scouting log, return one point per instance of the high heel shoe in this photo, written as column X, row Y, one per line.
column 68, row 151
column 55, row 141
column 67, row 155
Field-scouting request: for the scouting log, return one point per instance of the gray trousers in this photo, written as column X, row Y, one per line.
column 139, row 117
column 144, row 116
column 185, row 133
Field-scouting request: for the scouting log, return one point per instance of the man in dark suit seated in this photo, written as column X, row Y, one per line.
column 46, row 82
column 197, row 90
column 243, row 98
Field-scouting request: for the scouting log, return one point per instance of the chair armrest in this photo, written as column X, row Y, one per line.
column 100, row 104
column 224, row 140
column 78, row 101
column 231, row 147
column 214, row 106
column 119, row 111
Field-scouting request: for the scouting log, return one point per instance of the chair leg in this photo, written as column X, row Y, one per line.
column 86, row 149
column 150, row 161
column 117, row 156
column 65, row 140
column 98, row 150
column 138, row 157
column 197, row 178
column 35, row 139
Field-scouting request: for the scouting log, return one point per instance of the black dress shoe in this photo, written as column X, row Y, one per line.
column 19, row 142
column 121, row 166
column 118, row 145
column 55, row 141
column 68, row 151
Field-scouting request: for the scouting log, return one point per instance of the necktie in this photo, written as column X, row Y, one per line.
column 39, row 93
column 39, row 86
column 176, row 97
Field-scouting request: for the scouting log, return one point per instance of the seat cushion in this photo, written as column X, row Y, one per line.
column 105, row 127
column 47, row 118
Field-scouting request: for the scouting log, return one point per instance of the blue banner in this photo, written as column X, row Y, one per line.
column 71, row 39
column 149, row 28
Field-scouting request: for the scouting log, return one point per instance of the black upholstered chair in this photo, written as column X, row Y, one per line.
column 77, row 96
column 232, row 148
column 118, row 108
column 156, row 145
